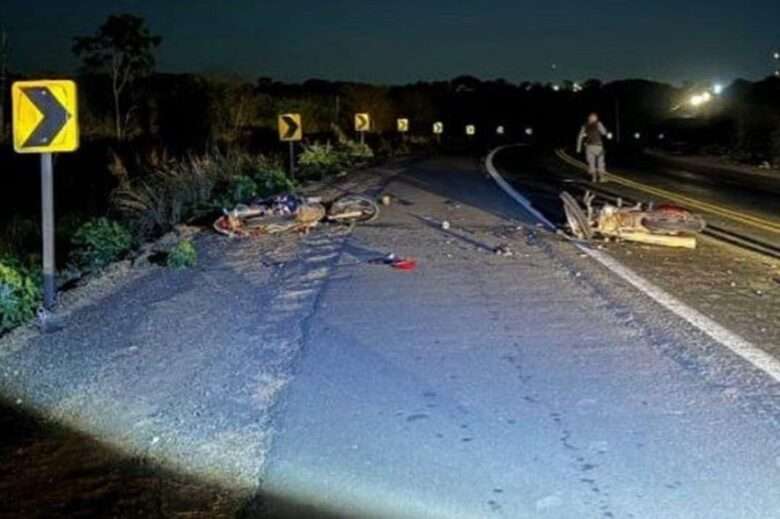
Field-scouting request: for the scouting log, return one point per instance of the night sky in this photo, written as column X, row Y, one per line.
column 398, row 41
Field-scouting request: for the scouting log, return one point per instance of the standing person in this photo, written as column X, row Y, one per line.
column 592, row 135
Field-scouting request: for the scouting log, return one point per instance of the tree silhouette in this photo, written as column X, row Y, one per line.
column 3, row 78
column 124, row 48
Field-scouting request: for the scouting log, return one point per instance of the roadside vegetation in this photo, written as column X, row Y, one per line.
column 183, row 255
column 159, row 150
column 20, row 293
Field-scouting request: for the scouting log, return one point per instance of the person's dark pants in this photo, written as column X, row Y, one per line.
column 596, row 162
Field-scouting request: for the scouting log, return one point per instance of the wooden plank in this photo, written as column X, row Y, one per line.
column 680, row 242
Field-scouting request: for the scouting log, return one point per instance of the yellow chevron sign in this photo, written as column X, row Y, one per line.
column 362, row 122
column 290, row 128
column 45, row 116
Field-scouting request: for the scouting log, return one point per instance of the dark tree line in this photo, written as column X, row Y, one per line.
column 123, row 98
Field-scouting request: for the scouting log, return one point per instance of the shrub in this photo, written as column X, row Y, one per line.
column 238, row 189
column 183, row 255
column 274, row 180
column 358, row 151
column 100, row 242
column 20, row 294
column 169, row 192
column 321, row 159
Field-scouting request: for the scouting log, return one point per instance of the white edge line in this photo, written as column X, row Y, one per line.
column 509, row 190
column 740, row 346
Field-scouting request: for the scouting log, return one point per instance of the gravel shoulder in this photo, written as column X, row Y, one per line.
column 155, row 398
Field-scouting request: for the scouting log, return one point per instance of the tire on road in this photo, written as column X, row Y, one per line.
column 575, row 216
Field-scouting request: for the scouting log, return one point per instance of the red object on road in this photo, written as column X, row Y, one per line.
column 405, row 264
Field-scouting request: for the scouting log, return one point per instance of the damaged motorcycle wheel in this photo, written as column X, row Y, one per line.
column 575, row 216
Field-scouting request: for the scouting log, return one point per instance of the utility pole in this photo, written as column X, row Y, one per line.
column 3, row 79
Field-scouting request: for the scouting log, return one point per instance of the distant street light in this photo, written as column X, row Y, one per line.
column 700, row 99
column 717, row 89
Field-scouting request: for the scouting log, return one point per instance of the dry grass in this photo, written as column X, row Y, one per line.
column 167, row 192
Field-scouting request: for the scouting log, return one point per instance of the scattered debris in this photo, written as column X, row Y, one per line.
column 407, row 264
column 386, row 200
column 445, row 225
column 665, row 225
column 503, row 250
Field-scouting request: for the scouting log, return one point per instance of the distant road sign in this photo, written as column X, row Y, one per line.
column 45, row 116
column 290, row 128
column 438, row 128
column 471, row 129
column 500, row 130
column 362, row 122
column 403, row 125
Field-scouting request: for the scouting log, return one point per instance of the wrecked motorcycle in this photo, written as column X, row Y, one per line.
column 666, row 224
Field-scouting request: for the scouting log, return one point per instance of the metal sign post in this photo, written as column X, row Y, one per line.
column 438, row 129
column 47, row 219
column 291, row 131
column 362, row 125
column 45, row 121
column 292, row 160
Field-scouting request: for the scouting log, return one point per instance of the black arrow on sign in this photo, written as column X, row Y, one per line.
column 292, row 126
column 55, row 116
column 362, row 122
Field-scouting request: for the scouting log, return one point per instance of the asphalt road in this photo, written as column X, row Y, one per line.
column 752, row 194
column 316, row 383
column 525, row 386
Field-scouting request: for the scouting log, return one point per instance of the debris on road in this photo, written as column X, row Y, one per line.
column 445, row 225
column 503, row 250
column 407, row 264
column 665, row 225
column 291, row 213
